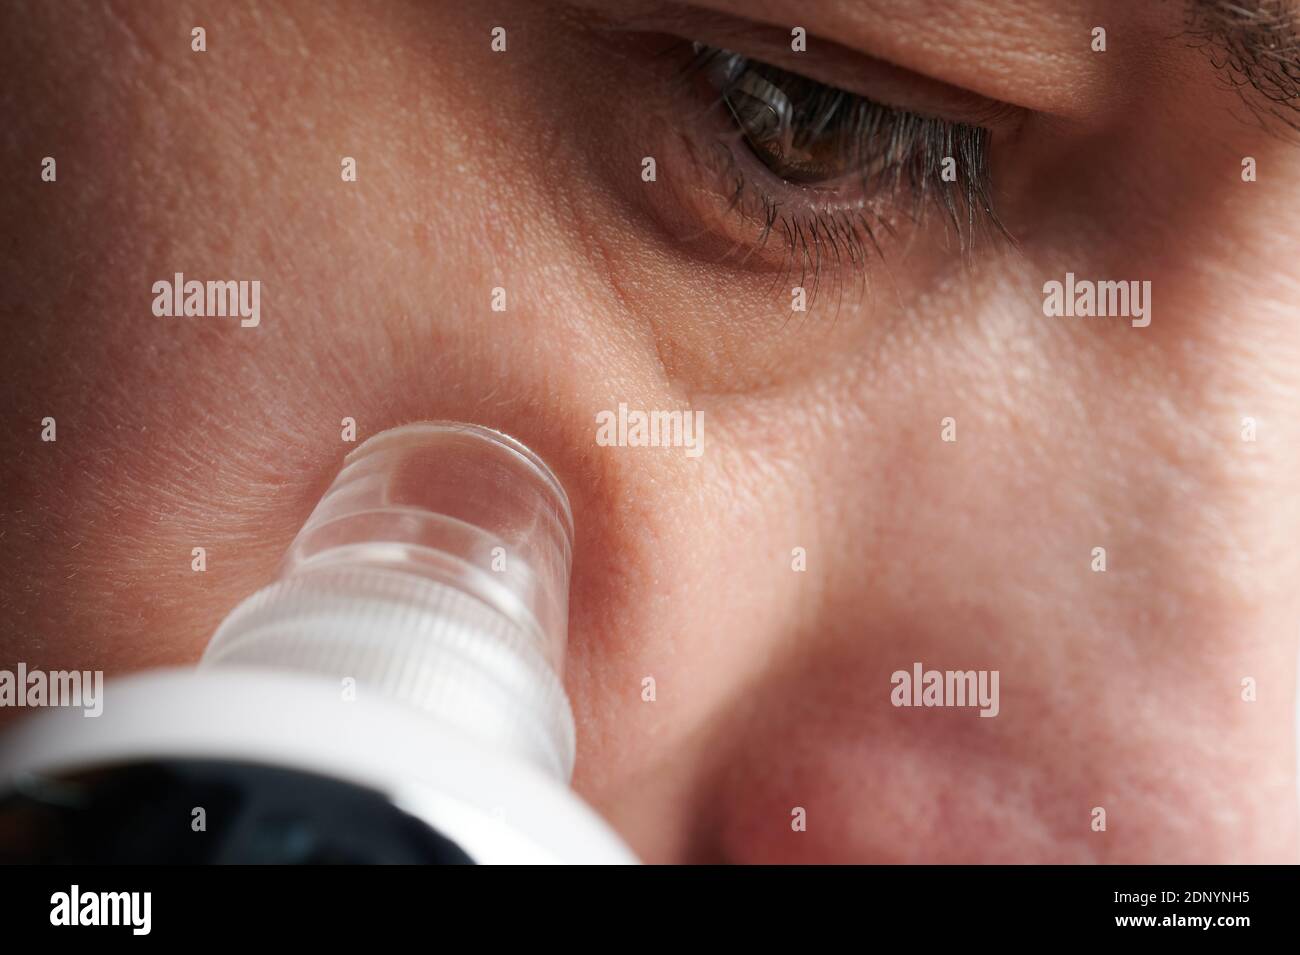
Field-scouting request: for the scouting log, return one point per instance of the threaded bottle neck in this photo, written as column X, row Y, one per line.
column 433, row 572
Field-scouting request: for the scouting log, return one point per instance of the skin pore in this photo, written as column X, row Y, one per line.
column 522, row 170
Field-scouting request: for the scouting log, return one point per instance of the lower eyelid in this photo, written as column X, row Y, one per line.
column 743, row 224
column 761, row 223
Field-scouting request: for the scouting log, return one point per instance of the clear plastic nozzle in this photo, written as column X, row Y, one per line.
column 434, row 571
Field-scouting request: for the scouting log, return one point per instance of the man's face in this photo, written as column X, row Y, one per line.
column 938, row 461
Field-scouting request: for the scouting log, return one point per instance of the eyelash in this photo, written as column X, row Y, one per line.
column 892, row 159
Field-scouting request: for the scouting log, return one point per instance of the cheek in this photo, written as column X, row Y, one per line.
column 378, row 308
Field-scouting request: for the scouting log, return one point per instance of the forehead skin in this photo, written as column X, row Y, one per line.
column 1119, row 689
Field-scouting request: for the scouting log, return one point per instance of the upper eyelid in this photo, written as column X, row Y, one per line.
column 891, row 86
column 834, row 65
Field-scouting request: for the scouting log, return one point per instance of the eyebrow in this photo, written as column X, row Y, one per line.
column 1253, row 44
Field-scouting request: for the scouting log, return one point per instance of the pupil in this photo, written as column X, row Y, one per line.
column 793, row 146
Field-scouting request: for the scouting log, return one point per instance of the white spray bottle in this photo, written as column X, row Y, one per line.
column 394, row 696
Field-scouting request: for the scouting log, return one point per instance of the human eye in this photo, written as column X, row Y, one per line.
column 810, row 180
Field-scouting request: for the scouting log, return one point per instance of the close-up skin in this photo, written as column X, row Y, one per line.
column 907, row 454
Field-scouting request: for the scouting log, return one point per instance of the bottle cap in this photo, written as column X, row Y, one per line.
column 434, row 571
